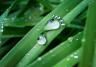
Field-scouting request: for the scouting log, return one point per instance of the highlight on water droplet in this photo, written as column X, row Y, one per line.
column 54, row 23
column 39, row 59
column 83, row 40
column 70, row 39
column 42, row 40
column 1, row 27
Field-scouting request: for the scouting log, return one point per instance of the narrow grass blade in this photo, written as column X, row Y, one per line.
column 70, row 60
column 89, row 39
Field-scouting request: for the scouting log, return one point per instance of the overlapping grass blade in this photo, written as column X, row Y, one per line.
column 89, row 39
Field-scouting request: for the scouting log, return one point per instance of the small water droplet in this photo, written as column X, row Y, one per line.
column 66, row 10
column 39, row 59
column 53, row 55
column 5, row 19
column 41, row 7
column 83, row 40
column 38, row 29
column 13, row 18
column 28, row 54
column 51, row 51
column 70, row 39
column 72, row 55
column 76, row 57
column 0, row 41
column 42, row 40
column 68, row 59
column 30, row 17
column 62, row 22
column 1, row 27
column 77, row 39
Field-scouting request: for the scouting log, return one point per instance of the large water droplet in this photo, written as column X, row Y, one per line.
column 54, row 23
column 42, row 40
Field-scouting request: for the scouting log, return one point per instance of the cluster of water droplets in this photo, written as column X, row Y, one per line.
column 54, row 23
column 73, row 56
column 1, row 29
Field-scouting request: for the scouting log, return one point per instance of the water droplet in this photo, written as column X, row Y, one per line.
column 30, row 17
column 83, row 40
column 28, row 54
column 68, row 59
column 66, row 10
column 51, row 51
column 54, row 23
column 1, row 27
column 38, row 29
column 42, row 40
column 0, row 41
column 77, row 39
column 13, row 18
column 76, row 57
column 72, row 55
column 41, row 7
column 70, row 39
column 39, row 59
column 53, row 55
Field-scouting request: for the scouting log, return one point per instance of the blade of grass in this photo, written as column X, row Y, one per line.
column 61, row 51
column 31, row 55
column 30, row 40
column 89, row 37
column 70, row 60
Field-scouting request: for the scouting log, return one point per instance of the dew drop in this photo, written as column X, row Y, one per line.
column 76, row 57
column 1, row 27
column 62, row 22
column 66, row 10
column 41, row 8
column 42, row 40
column 54, row 23
column 28, row 54
column 77, row 39
column 30, row 17
column 0, row 41
column 70, row 39
column 68, row 59
column 83, row 40
column 39, row 59
column 51, row 51
column 53, row 55
column 72, row 55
